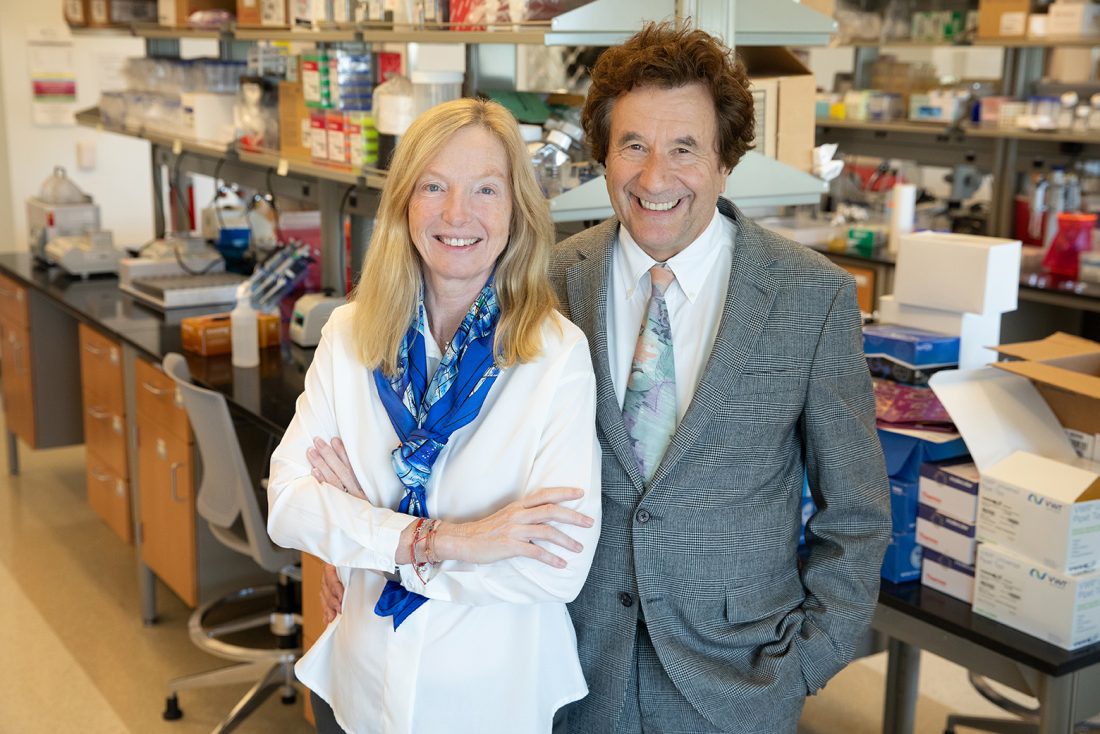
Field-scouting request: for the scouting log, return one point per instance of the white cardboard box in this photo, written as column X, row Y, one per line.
column 945, row 535
column 1073, row 19
column 951, row 489
column 1043, row 509
column 976, row 332
column 954, row 272
column 947, row 575
column 1020, row 593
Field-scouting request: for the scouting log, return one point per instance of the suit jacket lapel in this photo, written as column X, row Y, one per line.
column 587, row 286
column 749, row 297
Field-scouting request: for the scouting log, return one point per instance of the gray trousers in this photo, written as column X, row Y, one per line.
column 323, row 716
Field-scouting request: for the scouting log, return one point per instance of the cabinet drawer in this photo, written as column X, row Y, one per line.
column 165, row 481
column 109, row 496
column 15, row 361
column 105, row 434
column 159, row 401
column 101, row 370
column 13, row 302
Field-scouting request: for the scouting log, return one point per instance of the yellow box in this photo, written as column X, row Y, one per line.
column 210, row 335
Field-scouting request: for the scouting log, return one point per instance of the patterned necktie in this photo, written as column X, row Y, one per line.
column 649, row 407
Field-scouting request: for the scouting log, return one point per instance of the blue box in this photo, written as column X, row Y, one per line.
column 902, row 560
column 911, row 347
column 903, row 505
column 905, row 454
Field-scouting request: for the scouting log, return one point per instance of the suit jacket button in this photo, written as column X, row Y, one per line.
column 626, row 599
column 642, row 516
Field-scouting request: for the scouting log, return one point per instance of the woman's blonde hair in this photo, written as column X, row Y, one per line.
column 389, row 286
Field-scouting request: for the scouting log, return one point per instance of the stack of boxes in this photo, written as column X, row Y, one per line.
column 1038, row 512
column 338, row 87
column 947, row 512
column 957, row 285
column 902, row 360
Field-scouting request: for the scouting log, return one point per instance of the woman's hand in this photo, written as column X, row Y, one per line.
column 509, row 532
column 330, row 463
column 332, row 593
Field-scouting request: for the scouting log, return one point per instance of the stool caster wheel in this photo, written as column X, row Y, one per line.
column 289, row 699
column 172, row 710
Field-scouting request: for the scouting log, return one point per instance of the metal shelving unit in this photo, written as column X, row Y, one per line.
column 1003, row 152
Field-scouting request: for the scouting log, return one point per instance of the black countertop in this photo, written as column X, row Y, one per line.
column 956, row 617
column 267, row 393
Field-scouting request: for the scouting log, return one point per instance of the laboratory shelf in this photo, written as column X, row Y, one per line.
column 977, row 131
column 1050, row 42
column 92, row 119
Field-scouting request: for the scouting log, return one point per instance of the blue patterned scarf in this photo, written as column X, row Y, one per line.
column 425, row 414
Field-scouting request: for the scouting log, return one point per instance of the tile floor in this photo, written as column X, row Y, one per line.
column 76, row 657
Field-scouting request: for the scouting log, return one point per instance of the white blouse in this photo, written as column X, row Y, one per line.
column 494, row 649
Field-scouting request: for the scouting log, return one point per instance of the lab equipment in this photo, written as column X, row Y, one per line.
column 85, row 254
column 277, row 276
column 310, row 314
column 59, row 209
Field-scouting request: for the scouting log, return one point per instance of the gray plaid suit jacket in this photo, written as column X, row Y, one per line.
column 709, row 548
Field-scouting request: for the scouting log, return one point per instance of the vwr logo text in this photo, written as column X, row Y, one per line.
column 1047, row 577
column 1041, row 501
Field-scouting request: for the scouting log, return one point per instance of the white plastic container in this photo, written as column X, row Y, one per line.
column 435, row 87
column 244, row 330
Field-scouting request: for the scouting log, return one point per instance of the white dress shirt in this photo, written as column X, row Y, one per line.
column 494, row 649
column 694, row 300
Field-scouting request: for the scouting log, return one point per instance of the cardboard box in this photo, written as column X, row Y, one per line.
column 901, row 562
column 1040, row 601
column 951, row 489
column 903, row 506
column 910, row 346
column 976, row 332
column 176, row 12
column 1069, row 19
column 947, row 575
column 906, row 450
column 77, row 13
column 1003, row 18
column 248, row 13
column 783, row 95
column 953, row 272
column 210, row 335
column 1065, row 369
column 293, row 121
column 1043, row 509
column 946, row 535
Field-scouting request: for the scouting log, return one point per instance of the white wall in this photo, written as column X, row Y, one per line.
column 121, row 181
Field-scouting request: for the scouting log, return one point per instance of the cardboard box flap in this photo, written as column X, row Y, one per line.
column 1075, row 374
column 1055, row 346
column 999, row 413
column 771, row 61
column 1068, row 483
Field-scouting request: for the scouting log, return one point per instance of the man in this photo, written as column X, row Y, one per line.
column 697, row 616
column 747, row 374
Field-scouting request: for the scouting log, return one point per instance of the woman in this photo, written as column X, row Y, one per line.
column 456, row 407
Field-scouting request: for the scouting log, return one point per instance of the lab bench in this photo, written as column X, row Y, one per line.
column 141, row 460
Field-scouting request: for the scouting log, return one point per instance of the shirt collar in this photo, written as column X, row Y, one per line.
column 691, row 266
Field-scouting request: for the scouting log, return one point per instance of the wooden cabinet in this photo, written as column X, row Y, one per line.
column 41, row 381
column 105, row 434
column 166, row 481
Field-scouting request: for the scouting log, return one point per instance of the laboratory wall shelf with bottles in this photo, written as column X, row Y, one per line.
column 757, row 182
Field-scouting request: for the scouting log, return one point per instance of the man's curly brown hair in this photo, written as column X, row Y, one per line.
column 669, row 55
